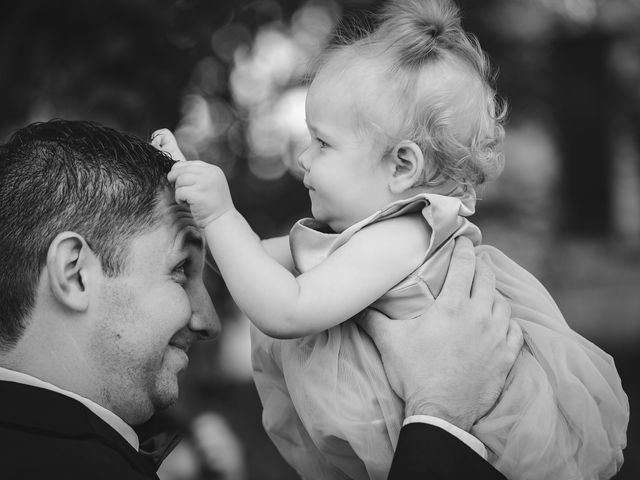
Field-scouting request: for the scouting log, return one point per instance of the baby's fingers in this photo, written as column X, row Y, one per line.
column 165, row 141
column 160, row 138
column 182, row 195
column 186, row 180
column 187, row 188
column 193, row 164
column 183, row 168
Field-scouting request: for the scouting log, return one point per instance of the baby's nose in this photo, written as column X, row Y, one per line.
column 304, row 160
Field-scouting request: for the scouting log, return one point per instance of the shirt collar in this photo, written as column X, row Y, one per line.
column 107, row 416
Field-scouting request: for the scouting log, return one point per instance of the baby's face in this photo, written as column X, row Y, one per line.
column 345, row 173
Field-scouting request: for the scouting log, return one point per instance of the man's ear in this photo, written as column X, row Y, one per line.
column 69, row 260
column 408, row 166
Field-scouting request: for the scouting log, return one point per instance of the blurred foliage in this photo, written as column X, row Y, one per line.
column 229, row 77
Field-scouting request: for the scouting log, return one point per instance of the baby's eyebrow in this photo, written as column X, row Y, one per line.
column 311, row 127
column 315, row 131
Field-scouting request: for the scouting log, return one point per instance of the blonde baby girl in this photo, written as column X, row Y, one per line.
column 404, row 125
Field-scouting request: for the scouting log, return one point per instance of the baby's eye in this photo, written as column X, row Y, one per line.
column 322, row 143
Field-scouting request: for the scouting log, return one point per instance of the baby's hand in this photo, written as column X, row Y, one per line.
column 164, row 141
column 204, row 188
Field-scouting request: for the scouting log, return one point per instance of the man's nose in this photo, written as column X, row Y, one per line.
column 204, row 321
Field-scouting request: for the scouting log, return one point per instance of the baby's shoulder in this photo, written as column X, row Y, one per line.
column 410, row 232
column 408, row 224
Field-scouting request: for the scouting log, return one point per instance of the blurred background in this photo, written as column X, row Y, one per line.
column 229, row 78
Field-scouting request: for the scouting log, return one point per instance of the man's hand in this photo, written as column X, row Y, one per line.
column 452, row 361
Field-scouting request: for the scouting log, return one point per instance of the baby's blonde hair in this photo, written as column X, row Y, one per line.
column 434, row 83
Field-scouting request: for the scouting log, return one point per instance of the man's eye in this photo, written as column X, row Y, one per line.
column 180, row 273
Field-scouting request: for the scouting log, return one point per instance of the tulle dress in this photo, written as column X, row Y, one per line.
column 330, row 411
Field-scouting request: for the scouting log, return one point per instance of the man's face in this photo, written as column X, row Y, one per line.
column 151, row 314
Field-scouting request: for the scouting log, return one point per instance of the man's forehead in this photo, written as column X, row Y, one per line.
column 178, row 218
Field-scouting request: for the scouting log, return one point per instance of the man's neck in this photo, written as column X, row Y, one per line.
column 52, row 361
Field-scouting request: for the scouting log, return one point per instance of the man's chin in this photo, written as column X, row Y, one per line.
column 159, row 400
column 166, row 393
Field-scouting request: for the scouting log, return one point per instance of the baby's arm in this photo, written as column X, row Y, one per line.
column 279, row 304
column 279, row 249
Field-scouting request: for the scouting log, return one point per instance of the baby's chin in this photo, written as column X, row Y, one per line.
column 337, row 226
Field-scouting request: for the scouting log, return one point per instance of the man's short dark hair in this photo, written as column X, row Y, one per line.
column 75, row 176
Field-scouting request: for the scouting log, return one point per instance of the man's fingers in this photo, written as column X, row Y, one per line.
column 515, row 338
column 515, row 341
column 501, row 314
column 483, row 289
column 459, row 278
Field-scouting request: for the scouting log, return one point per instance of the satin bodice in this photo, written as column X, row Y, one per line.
column 312, row 242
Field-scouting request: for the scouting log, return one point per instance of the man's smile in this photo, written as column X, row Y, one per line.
column 183, row 343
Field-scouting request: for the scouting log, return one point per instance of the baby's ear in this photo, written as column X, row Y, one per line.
column 408, row 166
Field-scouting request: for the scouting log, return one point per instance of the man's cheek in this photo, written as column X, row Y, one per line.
column 168, row 309
column 182, row 307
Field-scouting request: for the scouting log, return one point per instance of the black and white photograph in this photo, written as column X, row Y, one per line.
column 191, row 192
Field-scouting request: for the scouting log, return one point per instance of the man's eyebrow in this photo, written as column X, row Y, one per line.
column 190, row 238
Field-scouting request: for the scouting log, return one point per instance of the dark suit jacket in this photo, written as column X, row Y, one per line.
column 427, row 452
column 46, row 435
